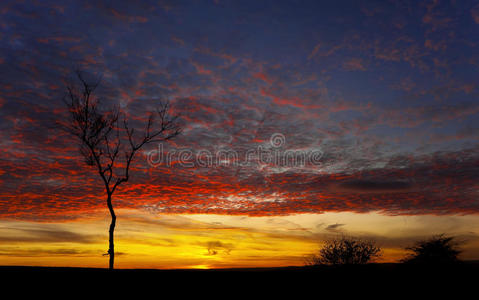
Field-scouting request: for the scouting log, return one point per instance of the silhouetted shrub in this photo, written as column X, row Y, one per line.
column 344, row 251
column 435, row 250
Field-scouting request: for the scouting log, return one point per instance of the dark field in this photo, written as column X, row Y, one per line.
column 397, row 277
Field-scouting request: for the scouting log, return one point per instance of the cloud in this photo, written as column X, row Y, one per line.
column 334, row 227
column 398, row 138
column 215, row 246
column 31, row 235
column 438, row 183
column 375, row 186
column 475, row 14
column 42, row 252
column 354, row 64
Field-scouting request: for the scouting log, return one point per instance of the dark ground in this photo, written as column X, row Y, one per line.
column 397, row 278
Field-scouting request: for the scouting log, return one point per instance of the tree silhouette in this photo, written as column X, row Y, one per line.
column 107, row 146
column 344, row 251
column 439, row 249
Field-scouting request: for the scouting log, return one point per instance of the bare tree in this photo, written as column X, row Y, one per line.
column 106, row 145
column 344, row 251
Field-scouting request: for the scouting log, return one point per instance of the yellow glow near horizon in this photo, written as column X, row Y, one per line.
column 144, row 240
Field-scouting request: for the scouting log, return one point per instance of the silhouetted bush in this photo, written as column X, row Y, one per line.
column 435, row 250
column 344, row 251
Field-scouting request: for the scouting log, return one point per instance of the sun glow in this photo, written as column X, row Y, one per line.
column 145, row 240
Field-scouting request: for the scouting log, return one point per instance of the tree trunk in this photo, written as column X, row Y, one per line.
column 111, row 248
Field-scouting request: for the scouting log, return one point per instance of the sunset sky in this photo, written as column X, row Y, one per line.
column 386, row 92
